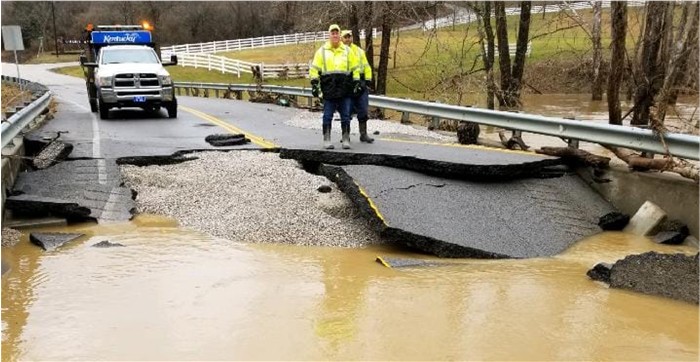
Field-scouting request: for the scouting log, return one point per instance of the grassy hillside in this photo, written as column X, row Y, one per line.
column 445, row 65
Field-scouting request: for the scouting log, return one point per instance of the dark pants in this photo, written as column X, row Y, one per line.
column 360, row 105
column 342, row 105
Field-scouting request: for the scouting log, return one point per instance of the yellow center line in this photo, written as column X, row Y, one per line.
column 458, row 145
column 229, row 127
column 371, row 203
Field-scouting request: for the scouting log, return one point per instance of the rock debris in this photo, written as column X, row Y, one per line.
column 250, row 196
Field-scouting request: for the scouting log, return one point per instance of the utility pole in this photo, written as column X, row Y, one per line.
column 55, row 38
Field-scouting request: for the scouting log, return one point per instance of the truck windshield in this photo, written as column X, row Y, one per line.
column 117, row 56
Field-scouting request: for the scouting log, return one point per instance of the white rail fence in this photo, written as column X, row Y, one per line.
column 465, row 16
column 235, row 66
column 250, row 43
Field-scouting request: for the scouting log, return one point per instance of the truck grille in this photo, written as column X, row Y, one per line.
column 136, row 80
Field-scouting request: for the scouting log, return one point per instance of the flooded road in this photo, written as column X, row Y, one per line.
column 175, row 294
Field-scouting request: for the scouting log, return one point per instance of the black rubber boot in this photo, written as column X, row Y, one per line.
column 327, row 137
column 363, row 133
column 345, row 127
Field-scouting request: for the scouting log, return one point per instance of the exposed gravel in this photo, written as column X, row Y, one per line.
column 312, row 120
column 249, row 196
column 10, row 237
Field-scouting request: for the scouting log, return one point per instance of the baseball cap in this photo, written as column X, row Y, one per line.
column 345, row 32
column 334, row 27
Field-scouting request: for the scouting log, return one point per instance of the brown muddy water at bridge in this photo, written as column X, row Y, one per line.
column 581, row 107
column 176, row 294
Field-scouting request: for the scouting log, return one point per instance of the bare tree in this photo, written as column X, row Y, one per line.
column 369, row 43
column 687, row 44
column 618, row 20
column 511, row 78
column 387, row 22
column 649, row 81
column 597, row 86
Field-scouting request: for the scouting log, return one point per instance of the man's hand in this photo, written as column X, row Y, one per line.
column 368, row 84
column 315, row 89
column 356, row 88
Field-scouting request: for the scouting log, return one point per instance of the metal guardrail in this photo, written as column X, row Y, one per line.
column 19, row 120
column 680, row 145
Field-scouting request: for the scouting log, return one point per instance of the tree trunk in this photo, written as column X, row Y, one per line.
column 503, row 54
column 354, row 23
column 521, row 52
column 678, row 65
column 382, row 72
column 686, row 17
column 597, row 86
column 617, row 60
column 369, row 41
column 649, row 79
column 490, row 52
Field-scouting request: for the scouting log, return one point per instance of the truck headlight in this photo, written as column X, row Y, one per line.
column 165, row 80
column 104, row 81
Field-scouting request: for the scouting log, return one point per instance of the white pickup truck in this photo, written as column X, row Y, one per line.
column 127, row 73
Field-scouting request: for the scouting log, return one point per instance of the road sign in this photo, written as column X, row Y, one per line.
column 12, row 37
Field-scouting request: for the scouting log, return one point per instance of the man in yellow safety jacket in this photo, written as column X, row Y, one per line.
column 360, row 102
column 334, row 73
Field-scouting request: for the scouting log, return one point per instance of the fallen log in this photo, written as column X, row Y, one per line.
column 576, row 155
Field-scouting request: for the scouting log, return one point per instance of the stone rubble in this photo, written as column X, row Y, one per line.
column 10, row 237
column 250, row 196
column 312, row 120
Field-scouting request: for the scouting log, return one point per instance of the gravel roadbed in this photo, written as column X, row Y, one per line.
column 250, row 196
column 312, row 120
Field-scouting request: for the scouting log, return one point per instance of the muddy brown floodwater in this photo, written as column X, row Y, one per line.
column 175, row 294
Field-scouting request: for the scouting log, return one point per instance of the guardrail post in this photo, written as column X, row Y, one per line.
column 434, row 121
column 239, row 95
column 206, row 93
column 216, row 92
column 187, row 91
column 571, row 142
column 404, row 117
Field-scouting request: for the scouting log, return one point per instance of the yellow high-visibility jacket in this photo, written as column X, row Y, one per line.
column 336, row 68
column 363, row 66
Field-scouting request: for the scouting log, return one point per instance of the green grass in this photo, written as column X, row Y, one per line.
column 45, row 58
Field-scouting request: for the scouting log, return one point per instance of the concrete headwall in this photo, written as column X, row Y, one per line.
column 11, row 166
column 628, row 190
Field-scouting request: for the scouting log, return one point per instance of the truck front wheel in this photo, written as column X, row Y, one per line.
column 172, row 108
column 104, row 110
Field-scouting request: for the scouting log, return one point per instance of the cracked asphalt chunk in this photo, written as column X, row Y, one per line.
column 80, row 189
column 52, row 241
column 511, row 219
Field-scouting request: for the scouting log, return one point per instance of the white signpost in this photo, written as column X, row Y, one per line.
column 12, row 40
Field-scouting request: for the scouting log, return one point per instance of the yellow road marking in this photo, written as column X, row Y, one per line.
column 229, row 127
column 371, row 203
column 381, row 260
column 482, row 147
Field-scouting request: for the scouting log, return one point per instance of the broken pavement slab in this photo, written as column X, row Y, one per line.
column 393, row 262
column 668, row 275
column 77, row 190
column 52, row 241
column 456, row 218
column 477, row 163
